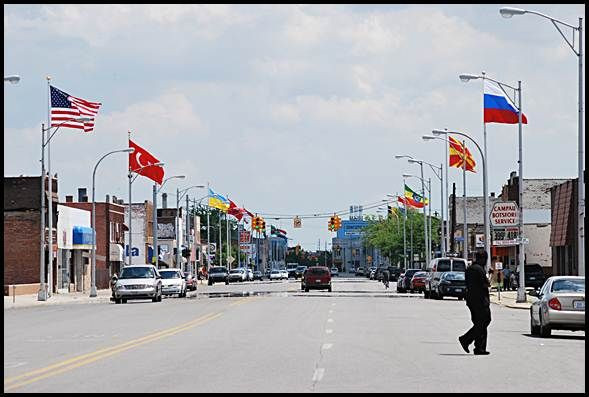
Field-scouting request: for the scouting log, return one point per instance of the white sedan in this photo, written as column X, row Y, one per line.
column 276, row 275
column 173, row 282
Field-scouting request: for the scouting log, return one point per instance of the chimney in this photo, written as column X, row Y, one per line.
column 81, row 193
column 107, row 199
column 121, row 202
column 84, row 199
column 69, row 199
column 165, row 200
column 492, row 194
column 114, row 199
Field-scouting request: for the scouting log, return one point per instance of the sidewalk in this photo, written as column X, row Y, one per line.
column 56, row 299
column 508, row 299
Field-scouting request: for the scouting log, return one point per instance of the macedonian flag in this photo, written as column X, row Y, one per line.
column 458, row 152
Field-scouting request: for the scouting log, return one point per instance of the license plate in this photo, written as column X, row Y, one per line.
column 579, row 305
column 317, row 281
column 458, row 289
column 532, row 278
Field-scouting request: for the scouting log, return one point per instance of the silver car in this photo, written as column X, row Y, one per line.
column 173, row 282
column 138, row 282
column 560, row 305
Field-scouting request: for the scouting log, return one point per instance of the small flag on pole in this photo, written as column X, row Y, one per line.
column 65, row 108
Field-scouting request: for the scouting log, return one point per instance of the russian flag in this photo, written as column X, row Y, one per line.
column 498, row 107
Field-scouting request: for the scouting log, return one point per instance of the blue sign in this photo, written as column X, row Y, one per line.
column 134, row 251
column 83, row 235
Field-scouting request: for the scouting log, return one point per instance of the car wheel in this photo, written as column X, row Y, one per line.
column 210, row 282
column 227, row 282
column 117, row 301
column 545, row 330
column 426, row 294
column 329, row 289
column 306, row 289
column 123, row 300
column 460, row 298
column 534, row 329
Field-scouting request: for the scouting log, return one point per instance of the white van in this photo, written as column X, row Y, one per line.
column 437, row 266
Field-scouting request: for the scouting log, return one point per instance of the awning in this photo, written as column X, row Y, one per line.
column 125, row 227
column 115, row 253
column 83, row 237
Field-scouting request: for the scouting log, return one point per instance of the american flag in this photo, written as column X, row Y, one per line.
column 65, row 107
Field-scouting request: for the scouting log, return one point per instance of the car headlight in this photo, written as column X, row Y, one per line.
column 120, row 286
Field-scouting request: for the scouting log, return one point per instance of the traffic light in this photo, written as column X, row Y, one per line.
column 331, row 224
column 255, row 223
column 390, row 210
column 337, row 223
column 262, row 224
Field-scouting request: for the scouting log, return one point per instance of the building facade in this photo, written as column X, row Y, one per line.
column 142, row 229
column 348, row 248
column 563, row 235
column 22, row 233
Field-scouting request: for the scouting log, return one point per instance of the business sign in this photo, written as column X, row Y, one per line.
column 246, row 248
column 505, row 237
column 244, row 236
column 480, row 240
column 504, row 214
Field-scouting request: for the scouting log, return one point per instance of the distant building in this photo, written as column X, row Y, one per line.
column 348, row 245
column 166, row 235
column 142, row 228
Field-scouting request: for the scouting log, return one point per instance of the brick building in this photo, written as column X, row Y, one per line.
column 22, row 232
column 110, row 227
column 166, row 234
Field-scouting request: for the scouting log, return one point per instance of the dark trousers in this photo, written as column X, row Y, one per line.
column 481, row 318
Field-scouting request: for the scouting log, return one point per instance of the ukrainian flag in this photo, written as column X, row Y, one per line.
column 218, row 201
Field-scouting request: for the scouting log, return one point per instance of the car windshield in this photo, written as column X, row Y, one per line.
column 137, row 272
column 218, row 270
column 458, row 266
column 275, row 271
column 420, row 274
column 169, row 274
column 569, row 285
column 454, row 276
column 301, row 267
column 443, row 265
column 317, row 271
column 235, row 271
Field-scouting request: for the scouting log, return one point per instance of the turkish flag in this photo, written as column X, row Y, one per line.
column 140, row 161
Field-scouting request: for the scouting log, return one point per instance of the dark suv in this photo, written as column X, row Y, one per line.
column 533, row 275
column 316, row 277
column 218, row 274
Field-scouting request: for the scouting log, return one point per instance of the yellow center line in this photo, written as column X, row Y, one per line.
column 103, row 353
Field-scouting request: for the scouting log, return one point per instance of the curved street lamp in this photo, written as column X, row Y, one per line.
column 508, row 12
column 12, row 78
column 179, row 194
column 155, row 255
column 93, row 293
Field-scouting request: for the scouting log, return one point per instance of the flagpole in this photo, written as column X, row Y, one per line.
column 130, row 246
column 42, row 294
column 424, row 217
column 429, row 183
column 228, row 239
column 447, row 204
column 208, row 232
column 521, row 291
column 464, row 228
column 50, row 201
column 443, row 237
column 220, row 241
column 404, row 229
column 486, row 200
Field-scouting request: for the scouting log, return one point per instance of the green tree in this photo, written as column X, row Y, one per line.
column 387, row 235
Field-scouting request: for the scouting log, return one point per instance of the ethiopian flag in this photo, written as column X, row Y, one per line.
column 413, row 199
column 218, row 201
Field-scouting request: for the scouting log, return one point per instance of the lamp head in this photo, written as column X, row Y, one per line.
column 438, row 132
column 466, row 77
column 407, row 175
column 129, row 150
column 413, row 161
column 13, row 79
column 508, row 12
column 158, row 164
column 428, row 137
column 180, row 176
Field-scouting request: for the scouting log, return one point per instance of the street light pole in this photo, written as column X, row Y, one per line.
column 179, row 194
column 508, row 12
column 155, row 256
column 93, row 293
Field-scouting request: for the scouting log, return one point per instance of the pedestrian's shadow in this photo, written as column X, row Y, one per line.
column 454, row 354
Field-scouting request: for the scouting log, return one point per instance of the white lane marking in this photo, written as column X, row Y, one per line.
column 333, row 304
column 14, row 365
column 328, row 331
column 330, row 311
column 326, row 346
column 330, row 320
column 318, row 375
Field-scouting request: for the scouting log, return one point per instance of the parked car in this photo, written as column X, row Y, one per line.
column 284, row 273
column 300, row 270
column 238, row 274
column 258, row 275
column 437, row 266
column 394, row 273
column 404, row 284
column 172, row 282
column 334, row 271
column 533, row 276
column 276, row 274
column 359, row 271
column 218, row 274
column 448, row 284
column 417, row 282
column 560, row 305
column 191, row 281
column 316, row 277
column 138, row 282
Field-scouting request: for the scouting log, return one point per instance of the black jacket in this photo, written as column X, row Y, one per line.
column 477, row 286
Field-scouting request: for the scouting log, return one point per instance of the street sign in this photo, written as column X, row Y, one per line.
column 498, row 265
column 479, row 240
column 504, row 214
column 230, row 259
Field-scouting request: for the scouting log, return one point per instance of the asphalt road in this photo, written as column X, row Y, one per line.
column 272, row 337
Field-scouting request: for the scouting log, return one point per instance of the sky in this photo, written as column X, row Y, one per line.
column 288, row 109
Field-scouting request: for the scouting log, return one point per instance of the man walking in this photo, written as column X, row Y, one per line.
column 477, row 300
column 385, row 278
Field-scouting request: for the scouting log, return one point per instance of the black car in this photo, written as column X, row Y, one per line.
column 218, row 274
column 448, row 284
column 533, row 275
column 394, row 273
column 403, row 284
column 258, row 275
column 300, row 270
